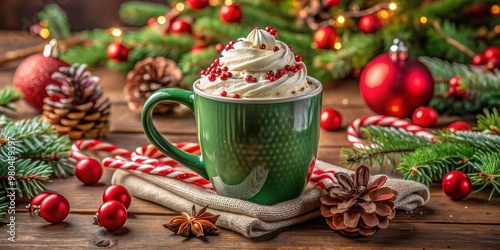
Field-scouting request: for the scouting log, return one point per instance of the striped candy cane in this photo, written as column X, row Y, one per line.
column 387, row 121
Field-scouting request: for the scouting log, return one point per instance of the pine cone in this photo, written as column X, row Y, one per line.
column 356, row 207
column 147, row 76
column 74, row 104
column 313, row 13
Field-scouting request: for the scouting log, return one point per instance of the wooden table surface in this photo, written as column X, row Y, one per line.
column 440, row 224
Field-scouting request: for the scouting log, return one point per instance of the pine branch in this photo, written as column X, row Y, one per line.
column 138, row 13
column 4, row 204
column 487, row 175
column 56, row 20
column 28, row 177
column 489, row 121
column 384, row 145
column 443, row 71
column 8, row 95
column 480, row 140
column 4, row 120
column 430, row 163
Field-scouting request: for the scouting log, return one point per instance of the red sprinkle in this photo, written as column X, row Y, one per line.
column 212, row 77
column 298, row 66
column 223, row 77
column 270, row 73
column 262, row 46
column 276, row 48
column 250, row 79
column 229, row 74
column 273, row 32
column 223, row 93
column 288, row 68
column 298, row 58
column 282, row 72
column 225, row 68
column 268, row 28
column 218, row 71
column 236, row 96
column 290, row 47
column 204, row 72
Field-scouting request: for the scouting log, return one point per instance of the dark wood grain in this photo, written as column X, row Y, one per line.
column 440, row 224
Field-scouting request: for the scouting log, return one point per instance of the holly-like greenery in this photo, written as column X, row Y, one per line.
column 425, row 161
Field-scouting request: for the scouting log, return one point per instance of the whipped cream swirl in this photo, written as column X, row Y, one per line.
column 258, row 66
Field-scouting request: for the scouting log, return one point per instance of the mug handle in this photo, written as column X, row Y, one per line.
column 193, row 162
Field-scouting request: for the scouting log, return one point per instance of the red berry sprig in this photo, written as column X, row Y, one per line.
column 490, row 58
column 455, row 88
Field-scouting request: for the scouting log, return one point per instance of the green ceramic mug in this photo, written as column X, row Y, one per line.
column 259, row 149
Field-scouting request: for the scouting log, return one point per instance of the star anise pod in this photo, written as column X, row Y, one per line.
column 357, row 207
column 198, row 223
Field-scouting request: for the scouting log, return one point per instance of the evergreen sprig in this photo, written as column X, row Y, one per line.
column 138, row 13
column 425, row 161
column 8, row 96
column 56, row 21
column 4, row 204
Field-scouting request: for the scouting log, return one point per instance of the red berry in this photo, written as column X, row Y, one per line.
column 268, row 28
column 270, row 73
column 219, row 47
column 458, row 125
column 203, row 72
column 180, row 26
column 117, row 52
column 454, row 81
column 54, row 208
column 330, row 119
column 197, row 4
column 288, row 68
column 276, row 48
column 117, row 193
column 492, row 52
column 273, row 32
column 223, row 93
column 249, row 79
column 230, row 13
column 212, row 77
column 223, row 77
column 225, row 68
column 262, row 46
column 37, row 200
column 229, row 74
column 218, row 71
column 290, row 47
column 282, row 72
column 236, row 96
column 456, row 185
column 299, row 66
column 425, row 117
column 88, row 171
column 111, row 215
column 479, row 59
column 298, row 58
column 331, row 3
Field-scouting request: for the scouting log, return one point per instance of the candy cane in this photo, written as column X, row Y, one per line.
column 386, row 121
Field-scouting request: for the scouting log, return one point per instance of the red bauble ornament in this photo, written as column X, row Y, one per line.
column 197, row 4
column 479, row 59
column 111, row 215
column 37, row 200
column 325, row 37
column 34, row 73
column 425, row 117
column 54, row 208
column 331, row 3
column 180, row 26
column 117, row 52
column 456, row 185
column 88, row 171
column 117, row 193
column 458, row 126
column 231, row 13
column 330, row 119
column 394, row 84
column 492, row 52
column 370, row 24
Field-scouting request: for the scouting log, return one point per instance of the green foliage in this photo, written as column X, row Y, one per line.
column 425, row 161
column 56, row 20
column 137, row 13
column 3, row 204
column 8, row 96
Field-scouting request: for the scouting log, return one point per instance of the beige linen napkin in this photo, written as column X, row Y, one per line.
column 248, row 218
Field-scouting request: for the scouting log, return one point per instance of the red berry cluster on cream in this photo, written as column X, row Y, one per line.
column 258, row 66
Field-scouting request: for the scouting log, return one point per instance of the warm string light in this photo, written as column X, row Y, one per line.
column 179, row 6
column 116, row 32
column 423, row 19
column 495, row 9
column 381, row 10
column 161, row 20
column 393, row 6
column 340, row 19
column 44, row 33
column 337, row 45
column 228, row 2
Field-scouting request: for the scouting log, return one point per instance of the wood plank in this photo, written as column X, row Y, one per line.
column 146, row 231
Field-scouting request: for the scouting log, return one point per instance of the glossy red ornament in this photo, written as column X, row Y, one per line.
column 456, row 185
column 111, row 215
column 458, row 126
column 54, row 208
column 34, row 73
column 230, row 13
column 197, row 4
column 117, row 193
column 370, row 24
column 394, row 84
column 479, row 59
column 331, row 3
column 180, row 26
column 88, row 171
column 330, row 119
column 117, row 52
column 425, row 117
column 35, row 201
column 325, row 37
column 492, row 52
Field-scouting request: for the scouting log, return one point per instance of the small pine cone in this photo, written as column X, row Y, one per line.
column 356, row 207
column 74, row 104
column 147, row 76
